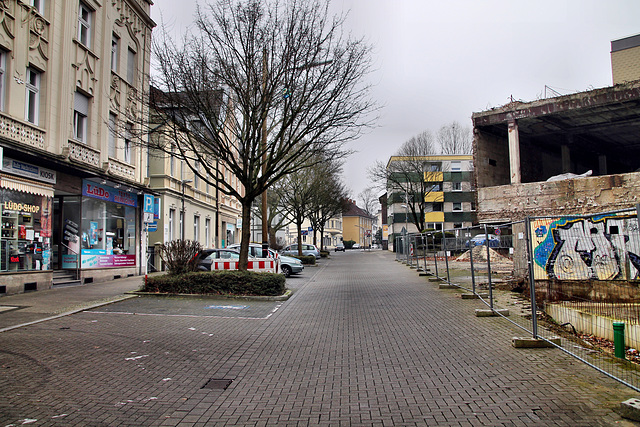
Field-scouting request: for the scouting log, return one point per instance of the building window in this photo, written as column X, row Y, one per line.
column 80, row 117
column 115, row 49
column 172, row 161
column 207, row 232
column 3, row 73
column 32, row 107
column 196, row 178
column 457, row 186
column 131, row 66
column 172, row 221
column 181, row 227
column 128, row 158
column 85, row 16
column 38, row 5
column 196, row 228
column 457, row 206
column 456, row 166
column 434, row 167
column 112, row 134
column 457, row 225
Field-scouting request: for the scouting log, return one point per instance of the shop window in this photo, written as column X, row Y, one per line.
column 80, row 117
column 32, row 105
column 25, row 239
column 85, row 18
column 108, row 230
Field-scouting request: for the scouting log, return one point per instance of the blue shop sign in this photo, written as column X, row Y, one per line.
column 109, row 194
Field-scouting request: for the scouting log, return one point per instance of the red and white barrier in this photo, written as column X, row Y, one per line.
column 268, row 265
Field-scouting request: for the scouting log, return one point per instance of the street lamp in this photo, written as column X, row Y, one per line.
column 184, row 181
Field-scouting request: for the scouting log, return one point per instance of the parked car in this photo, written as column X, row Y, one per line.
column 288, row 265
column 307, row 250
column 481, row 239
column 204, row 259
column 339, row 247
column 355, row 246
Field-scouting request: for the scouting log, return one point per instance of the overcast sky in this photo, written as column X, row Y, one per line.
column 440, row 61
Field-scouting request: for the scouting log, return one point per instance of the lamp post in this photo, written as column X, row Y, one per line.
column 183, row 182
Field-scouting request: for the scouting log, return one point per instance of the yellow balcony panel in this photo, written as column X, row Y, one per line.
column 434, row 217
column 434, row 196
column 433, row 176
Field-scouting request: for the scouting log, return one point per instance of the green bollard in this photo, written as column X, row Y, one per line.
column 618, row 339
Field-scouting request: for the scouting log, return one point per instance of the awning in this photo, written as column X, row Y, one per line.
column 25, row 186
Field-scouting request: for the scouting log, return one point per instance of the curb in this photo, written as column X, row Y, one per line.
column 282, row 297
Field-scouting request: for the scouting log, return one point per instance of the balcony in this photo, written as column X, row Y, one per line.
column 434, row 196
column 82, row 153
column 21, row 132
column 120, row 169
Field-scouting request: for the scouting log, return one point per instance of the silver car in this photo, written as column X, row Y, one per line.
column 307, row 250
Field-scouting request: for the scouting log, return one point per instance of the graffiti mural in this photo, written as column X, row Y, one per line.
column 604, row 247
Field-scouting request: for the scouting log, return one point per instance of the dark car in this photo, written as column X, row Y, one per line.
column 204, row 259
column 339, row 247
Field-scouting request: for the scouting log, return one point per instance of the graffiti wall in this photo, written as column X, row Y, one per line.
column 604, row 247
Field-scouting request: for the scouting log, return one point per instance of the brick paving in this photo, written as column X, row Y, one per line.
column 363, row 341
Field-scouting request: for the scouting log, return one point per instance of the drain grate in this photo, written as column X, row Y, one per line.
column 217, row 384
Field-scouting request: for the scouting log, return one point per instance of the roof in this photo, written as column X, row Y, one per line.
column 354, row 210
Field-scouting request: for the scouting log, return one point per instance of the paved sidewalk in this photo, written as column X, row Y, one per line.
column 32, row 307
column 363, row 341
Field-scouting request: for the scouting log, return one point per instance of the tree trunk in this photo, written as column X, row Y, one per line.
column 299, row 225
column 246, row 236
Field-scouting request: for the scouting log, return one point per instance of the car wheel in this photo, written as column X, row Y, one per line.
column 286, row 270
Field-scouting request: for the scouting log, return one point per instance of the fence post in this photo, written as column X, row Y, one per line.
column 486, row 240
column 425, row 247
column 446, row 258
column 532, row 281
column 473, row 274
column 435, row 253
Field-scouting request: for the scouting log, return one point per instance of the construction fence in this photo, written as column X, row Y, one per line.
column 570, row 281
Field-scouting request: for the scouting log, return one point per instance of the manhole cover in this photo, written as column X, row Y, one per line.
column 217, row 384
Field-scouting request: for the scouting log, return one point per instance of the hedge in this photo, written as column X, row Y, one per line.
column 305, row 259
column 222, row 282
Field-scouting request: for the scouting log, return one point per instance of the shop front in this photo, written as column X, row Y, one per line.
column 107, row 232
column 25, row 235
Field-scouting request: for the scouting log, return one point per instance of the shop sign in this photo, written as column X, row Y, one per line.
column 108, row 194
column 105, row 261
column 28, row 170
column 20, row 207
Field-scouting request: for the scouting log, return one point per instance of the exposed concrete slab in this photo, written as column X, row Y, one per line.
column 447, row 286
column 435, row 279
column 630, row 409
column 529, row 342
column 490, row 313
column 474, row 296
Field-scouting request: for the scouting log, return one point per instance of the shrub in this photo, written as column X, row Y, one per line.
column 305, row 259
column 178, row 256
column 324, row 254
column 222, row 282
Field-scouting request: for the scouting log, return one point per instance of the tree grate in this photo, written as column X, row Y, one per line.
column 217, row 384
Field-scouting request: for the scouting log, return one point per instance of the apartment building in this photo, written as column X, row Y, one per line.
column 357, row 225
column 71, row 78
column 190, row 207
column 444, row 188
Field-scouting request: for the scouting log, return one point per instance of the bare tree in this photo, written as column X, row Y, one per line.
column 409, row 176
column 295, row 192
column 369, row 201
column 455, row 139
column 262, row 89
column 327, row 199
